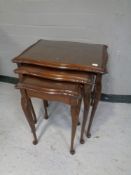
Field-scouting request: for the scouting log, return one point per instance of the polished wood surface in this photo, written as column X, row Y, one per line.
column 25, row 103
column 66, row 55
column 69, row 93
column 55, row 74
column 62, row 71
column 52, row 87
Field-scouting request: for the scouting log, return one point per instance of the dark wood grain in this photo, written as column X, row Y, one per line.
column 69, row 93
column 70, row 71
column 55, row 74
column 66, row 55
column 25, row 103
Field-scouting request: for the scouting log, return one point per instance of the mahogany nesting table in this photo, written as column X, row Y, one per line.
column 63, row 61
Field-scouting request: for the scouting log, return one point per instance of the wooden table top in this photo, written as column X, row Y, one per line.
column 66, row 55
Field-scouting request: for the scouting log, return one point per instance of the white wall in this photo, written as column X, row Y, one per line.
column 22, row 22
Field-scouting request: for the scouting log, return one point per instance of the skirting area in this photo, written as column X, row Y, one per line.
column 107, row 152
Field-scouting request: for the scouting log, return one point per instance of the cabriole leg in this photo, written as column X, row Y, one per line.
column 25, row 106
column 97, row 96
column 74, row 116
column 86, row 100
column 33, row 112
column 45, row 107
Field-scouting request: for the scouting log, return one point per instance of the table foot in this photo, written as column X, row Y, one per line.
column 46, row 117
column 88, row 135
column 72, row 152
column 78, row 123
column 35, row 142
column 82, row 141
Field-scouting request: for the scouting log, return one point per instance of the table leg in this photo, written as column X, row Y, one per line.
column 97, row 96
column 46, row 103
column 79, row 108
column 74, row 116
column 32, row 111
column 26, row 109
column 86, row 100
column 45, row 107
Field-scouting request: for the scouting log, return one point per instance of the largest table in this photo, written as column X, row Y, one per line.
column 85, row 58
